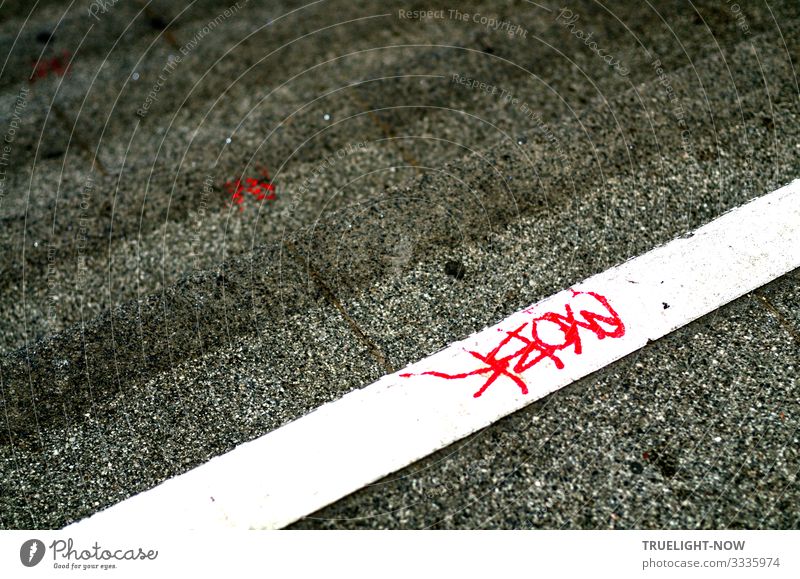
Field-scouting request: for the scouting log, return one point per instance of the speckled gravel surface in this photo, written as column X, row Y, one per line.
column 698, row 430
column 149, row 324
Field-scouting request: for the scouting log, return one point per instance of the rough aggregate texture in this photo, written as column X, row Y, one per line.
column 149, row 324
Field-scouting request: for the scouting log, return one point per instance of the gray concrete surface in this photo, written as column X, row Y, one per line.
column 149, row 327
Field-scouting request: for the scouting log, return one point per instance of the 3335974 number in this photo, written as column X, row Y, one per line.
column 755, row 562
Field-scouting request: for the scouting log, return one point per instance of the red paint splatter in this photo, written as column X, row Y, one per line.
column 261, row 189
column 528, row 349
column 58, row 65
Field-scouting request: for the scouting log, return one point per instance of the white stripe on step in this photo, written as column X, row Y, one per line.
column 369, row 433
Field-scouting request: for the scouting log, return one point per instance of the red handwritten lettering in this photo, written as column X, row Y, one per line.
column 58, row 65
column 523, row 347
column 260, row 188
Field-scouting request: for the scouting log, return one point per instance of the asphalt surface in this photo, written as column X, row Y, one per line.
column 150, row 323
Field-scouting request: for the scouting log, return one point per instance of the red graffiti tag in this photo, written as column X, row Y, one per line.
column 523, row 347
column 260, row 188
column 58, row 65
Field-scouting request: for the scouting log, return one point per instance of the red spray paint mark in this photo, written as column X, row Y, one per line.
column 261, row 189
column 58, row 65
column 522, row 348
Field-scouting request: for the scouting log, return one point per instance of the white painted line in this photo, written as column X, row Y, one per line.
column 369, row 433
